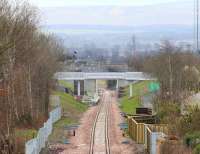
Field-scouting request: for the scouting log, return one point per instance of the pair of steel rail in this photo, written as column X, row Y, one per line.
column 107, row 141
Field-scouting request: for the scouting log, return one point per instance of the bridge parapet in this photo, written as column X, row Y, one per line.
column 70, row 76
column 103, row 76
column 137, row 76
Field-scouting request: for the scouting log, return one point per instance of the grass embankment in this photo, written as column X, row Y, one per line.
column 66, row 84
column 25, row 134
column 72, row 111
column 22, row 135
column 129, row 105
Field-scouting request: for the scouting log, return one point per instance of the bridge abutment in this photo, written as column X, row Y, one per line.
column 117, row 85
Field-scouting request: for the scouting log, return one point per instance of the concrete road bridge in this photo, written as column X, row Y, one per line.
column 83, row 79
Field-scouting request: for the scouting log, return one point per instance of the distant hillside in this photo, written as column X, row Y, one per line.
column 149, row 28
column 77, row 36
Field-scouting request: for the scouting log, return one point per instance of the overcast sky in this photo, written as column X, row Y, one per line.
column 58, row 3
column 116, row 12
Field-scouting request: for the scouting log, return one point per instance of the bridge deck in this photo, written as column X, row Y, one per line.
column 103, row 76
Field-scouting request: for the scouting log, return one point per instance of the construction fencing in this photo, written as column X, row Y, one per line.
column 35, row 145
column 146, row 134
column 136, row 130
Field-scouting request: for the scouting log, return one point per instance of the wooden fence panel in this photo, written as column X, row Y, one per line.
column 136, row 131
column 146, row 134
column 140, row 133
column 159, row 128
column 148, row 139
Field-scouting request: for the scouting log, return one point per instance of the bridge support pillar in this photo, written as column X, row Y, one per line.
column 131, row 90
column 117, row 85
column 79, row 88
column 96, row 86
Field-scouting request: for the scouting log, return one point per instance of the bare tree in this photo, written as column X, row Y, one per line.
column 177, row 71
column 28, row 60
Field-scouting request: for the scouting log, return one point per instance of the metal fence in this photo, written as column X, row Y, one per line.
column 151, row 139
column 35, row 145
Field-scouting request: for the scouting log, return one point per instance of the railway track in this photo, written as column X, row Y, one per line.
column 99, row 142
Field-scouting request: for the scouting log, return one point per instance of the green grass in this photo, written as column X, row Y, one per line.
column 68, row 102
column 72, row 111
column 139, row 88
column 64, row 121
column 26, row 134
column 66, row 84
column 129, row 105
column 58, row 134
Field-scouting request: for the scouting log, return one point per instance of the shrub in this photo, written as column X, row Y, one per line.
column 196, row 149
column 192, row 139
column 25, row 120
column 165, row 108
column 190, row 123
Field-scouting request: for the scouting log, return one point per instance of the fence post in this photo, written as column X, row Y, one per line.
column 154, row 137
column 145, row 136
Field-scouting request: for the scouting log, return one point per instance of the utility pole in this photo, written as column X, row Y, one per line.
column 133, row 45
column 194, row 28
column 197, row 25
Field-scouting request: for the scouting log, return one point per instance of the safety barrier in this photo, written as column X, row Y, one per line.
column 146, row 134
column 136, row 130
column 35, row 145
column 158, row 128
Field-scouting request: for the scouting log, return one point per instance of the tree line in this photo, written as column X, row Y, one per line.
column 178, row 72
column 28, row 60
column 176, row 69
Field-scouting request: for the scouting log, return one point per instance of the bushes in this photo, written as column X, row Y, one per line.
column 25, row 120
column 165, row 110
column 168, row 113
column 196, row 149
column 192, row 139
column 189, row 126
column 190, row 122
